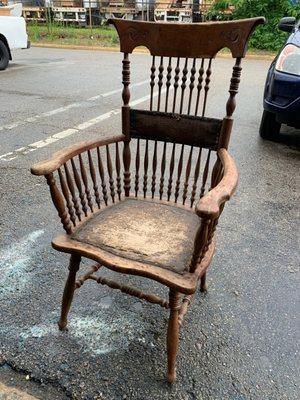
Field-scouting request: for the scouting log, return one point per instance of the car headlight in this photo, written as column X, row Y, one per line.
column 289, row 60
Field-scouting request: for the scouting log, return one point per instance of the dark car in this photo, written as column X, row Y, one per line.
column 282, row 90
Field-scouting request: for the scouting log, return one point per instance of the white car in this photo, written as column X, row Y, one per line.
column 13, row 36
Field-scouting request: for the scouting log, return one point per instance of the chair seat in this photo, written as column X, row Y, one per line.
column 151, row 232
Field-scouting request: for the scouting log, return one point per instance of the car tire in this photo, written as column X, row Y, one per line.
column 269, row 127
column 4, row 56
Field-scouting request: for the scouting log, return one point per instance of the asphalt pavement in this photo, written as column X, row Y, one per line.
column 239, row 341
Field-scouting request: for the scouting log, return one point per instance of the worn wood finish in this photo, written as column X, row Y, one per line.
column 160, row 222
column 202, row 40
column 69, row 291
column 184, row 129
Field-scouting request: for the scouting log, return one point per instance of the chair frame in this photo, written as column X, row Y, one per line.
column 139, row 124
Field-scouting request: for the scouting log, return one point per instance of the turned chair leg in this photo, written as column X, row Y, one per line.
column 203, row 284
column 173, row 334
column 69, row 291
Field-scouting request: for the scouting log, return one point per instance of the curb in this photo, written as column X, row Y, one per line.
column 253, row 56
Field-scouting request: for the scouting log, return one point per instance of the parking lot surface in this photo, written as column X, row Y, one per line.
column 239, row 341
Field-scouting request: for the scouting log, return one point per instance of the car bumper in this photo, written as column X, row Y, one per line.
column 282, row 97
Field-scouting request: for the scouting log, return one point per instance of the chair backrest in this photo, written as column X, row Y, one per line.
column 181, row 70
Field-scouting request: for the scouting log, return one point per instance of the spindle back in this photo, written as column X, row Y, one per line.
column 180, row 77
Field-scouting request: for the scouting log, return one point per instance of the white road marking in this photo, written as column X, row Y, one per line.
column 65, row 108
column 68, row 132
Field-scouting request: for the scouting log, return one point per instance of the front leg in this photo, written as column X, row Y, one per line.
column 173, row 334
column 69, row 291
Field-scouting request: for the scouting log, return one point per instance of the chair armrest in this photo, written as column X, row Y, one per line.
column 62, row 156
column 209, row 205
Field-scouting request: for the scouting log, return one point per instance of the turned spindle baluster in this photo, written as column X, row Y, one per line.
column 152, row 82
column 126, row 122
column 137, row 167
column 154, row 165
column 101, row 173
column 79, row 187
column 199, row 85
column 118, row 170
column 168, row 82
column 176, row 84
column 72, row 191
column 58, row 201
column 183, row 84
column 192, row 84
column 187, row 176
column 160, row 81
column 206, row 87
column 110, row 174
column 234, row 87
column 196, row 176
column 65, row 191
column 205, row 174
column 172, row 164
column 179, row 170
column 146, row 163
column 94, row 179
column 85, row 183
column 162, row 171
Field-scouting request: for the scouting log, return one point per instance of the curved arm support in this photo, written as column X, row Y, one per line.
column 62, row 156
column 209, row 205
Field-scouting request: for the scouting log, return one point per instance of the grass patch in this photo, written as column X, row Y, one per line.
column 102, row 36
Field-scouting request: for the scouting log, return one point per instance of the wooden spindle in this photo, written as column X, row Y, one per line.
column 176, row 84
column 126, row 96
column 192, row 85
column 137, row 167
column 172, row 164
column 59, row 203
column 234, row 87
column 183, row 84
column 126, row 162
column 206, row 87
column 162, row 171
column 205, row 174
column 199, row 243
column 196, row 176
column 179, row 170
column 154, row 165
column 118, row 171
column 65, row 191
column 101, row 173
column 126, row 122
column 85, row 183
column 94, row 179
column 72, row 191
column 187, row 176
column 152, row 82
column 199, row 85
column 146, row 162
column 168, row 83
column 79, row 187
column 110, row 174
column 160, row 81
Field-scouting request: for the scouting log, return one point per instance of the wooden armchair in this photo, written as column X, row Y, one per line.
column 160, row 223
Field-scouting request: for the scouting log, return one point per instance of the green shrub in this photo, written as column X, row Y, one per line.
column 266, row 37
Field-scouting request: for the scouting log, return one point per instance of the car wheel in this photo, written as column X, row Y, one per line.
column 269, row 127
column 4, row 56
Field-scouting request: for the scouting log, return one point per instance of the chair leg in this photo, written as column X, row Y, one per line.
column 173, row 334
column 69, row 291
column 203, row 284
